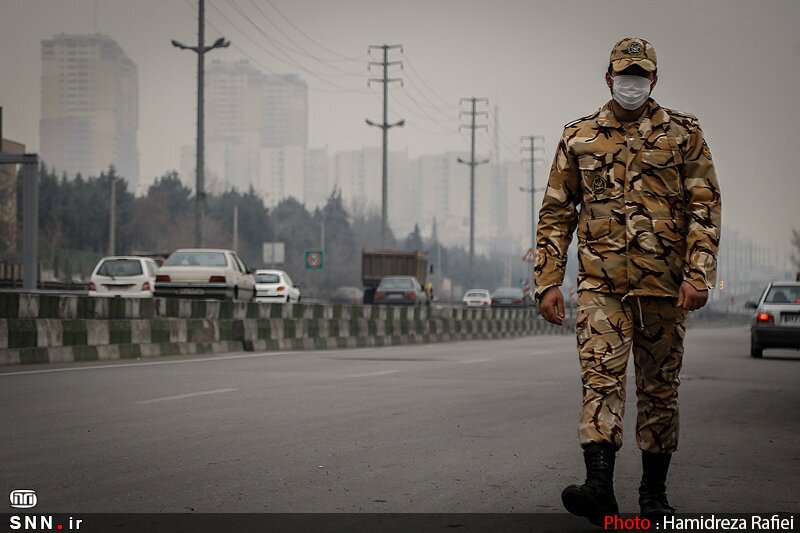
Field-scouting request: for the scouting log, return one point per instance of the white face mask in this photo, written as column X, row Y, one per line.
column 631, row 92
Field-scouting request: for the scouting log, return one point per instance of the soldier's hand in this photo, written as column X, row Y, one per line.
column 690, row 298
column 551, row 305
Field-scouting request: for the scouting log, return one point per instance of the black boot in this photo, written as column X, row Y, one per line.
column 595, row 498
column 653, row 490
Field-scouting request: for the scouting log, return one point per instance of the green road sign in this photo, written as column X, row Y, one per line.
column 315, row 259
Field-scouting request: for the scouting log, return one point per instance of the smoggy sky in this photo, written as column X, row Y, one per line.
column 733, row 63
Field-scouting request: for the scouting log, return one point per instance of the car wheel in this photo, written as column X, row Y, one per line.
column 756, row 351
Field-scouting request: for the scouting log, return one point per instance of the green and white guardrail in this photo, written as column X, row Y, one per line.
column 37, row 328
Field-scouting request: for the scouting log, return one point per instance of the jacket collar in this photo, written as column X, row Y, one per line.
column 654, row 115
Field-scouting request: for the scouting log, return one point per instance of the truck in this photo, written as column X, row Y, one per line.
column 378, row 264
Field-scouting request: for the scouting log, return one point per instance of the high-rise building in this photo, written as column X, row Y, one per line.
column 247, row 112
column 318, row 173
column 89, row 107
column 283, row 174
column 359, row 175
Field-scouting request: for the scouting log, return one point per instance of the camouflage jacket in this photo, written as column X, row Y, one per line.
column 650, row 206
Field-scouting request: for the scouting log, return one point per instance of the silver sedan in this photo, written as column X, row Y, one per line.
column 777, row 320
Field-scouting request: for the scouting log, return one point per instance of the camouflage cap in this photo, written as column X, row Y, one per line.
column 633, row 51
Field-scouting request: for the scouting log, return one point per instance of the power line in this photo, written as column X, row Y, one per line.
column 421, row 113
column 444, row 111
column 307, row 36
column 319, row 76
column 448, row 105
column 270, row 70
column 298, row 48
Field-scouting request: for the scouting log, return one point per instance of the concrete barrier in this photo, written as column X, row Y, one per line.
column 37, row 328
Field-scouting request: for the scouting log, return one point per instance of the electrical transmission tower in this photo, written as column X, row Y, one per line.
column 200, row 184
column 529, row 147
column 473, row 113
column 385, row 125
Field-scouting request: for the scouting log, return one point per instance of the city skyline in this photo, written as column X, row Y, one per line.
column 541, row 63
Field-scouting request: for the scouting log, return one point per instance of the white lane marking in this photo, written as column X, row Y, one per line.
column 187, row 395
column 470, row 361
column 372, row 374
column 153, row 363
column 204, row 358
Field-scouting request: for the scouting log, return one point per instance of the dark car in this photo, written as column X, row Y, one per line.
column 347, row 295
column 509, row 297
column 400, row 290
column 777, row 320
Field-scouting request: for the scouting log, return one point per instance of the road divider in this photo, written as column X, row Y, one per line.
column 36, row 328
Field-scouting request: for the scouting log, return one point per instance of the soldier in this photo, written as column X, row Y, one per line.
column 648, row 231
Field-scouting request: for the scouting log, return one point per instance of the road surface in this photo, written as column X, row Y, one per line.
column 461, row 427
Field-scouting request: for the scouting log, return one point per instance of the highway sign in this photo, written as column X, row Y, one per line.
column 274, row 253
column 315, row 259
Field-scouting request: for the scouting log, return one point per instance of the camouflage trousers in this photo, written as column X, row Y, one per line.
column 607, row 328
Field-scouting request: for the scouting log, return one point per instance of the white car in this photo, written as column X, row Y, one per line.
column 205, row 273
column 275, row 286
column 123, row 277
column 477, row 298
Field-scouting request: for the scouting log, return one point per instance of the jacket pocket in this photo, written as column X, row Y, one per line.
column 597, row 177
column 660, row 173
column 670, row 244
column 594, row 229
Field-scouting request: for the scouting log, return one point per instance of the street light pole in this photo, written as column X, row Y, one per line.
column 200, row 50
column 112, row 217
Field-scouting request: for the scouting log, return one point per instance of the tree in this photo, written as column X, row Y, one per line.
column 796, row 244
column 414, row 240
column 163, row 219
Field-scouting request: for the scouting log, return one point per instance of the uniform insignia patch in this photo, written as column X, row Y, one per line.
column 598, row 185
column 635, row 48
column 706, row 150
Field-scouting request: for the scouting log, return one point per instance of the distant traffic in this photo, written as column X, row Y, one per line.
column 390, row 277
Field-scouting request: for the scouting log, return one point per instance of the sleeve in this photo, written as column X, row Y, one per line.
column 703, row 211
column 558, row 218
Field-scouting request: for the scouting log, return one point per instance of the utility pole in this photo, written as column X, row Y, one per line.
column 385, row 125
column 322, row 233
column 531, row 149
column 472, row 126
column 236, row 228
column 200, row 50
column 112, row 217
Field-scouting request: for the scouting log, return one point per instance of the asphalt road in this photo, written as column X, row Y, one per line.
column 464, row 427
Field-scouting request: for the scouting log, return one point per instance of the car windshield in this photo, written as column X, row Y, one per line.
column 120, row 267
column 476, row 294
column 206, row 259
column 783, row 294
column 397, row 283
column 509, row 293
column 267, row 278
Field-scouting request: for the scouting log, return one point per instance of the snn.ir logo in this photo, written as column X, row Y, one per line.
column 23, row 499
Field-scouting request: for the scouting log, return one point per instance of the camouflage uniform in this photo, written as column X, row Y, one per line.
column 649, row 219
